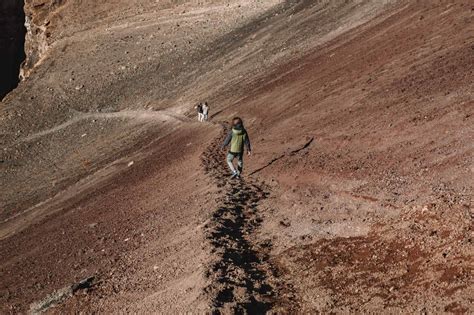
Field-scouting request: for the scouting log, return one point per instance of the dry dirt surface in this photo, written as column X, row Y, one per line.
column 357, row 198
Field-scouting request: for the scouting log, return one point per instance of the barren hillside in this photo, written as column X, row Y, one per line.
column 357, row 196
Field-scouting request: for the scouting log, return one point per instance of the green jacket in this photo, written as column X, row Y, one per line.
column 237, row 138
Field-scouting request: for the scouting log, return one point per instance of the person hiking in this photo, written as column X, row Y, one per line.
column 238, row 139
column 199, row 111
column 205, row 111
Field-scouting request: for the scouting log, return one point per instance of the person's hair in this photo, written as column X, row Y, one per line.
column 237, row 120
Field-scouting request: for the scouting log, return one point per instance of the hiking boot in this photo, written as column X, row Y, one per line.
column 234, row 175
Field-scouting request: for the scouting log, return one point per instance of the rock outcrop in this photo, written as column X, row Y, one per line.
column 40, row 17
column 12, row 38
column 25, row 35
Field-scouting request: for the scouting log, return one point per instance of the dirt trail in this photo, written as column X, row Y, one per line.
column 242, row 278
column 358, row 198
column 139, row 115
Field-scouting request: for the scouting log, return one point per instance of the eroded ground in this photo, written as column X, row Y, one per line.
column 358, row 197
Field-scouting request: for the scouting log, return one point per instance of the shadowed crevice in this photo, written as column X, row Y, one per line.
column 12, row 44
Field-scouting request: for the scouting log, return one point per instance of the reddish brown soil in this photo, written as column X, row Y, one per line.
column 357, row 198
column 390, row 169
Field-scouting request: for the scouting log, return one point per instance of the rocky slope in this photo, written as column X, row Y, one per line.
column 358, row 197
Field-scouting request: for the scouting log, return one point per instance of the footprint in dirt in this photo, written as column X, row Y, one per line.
column 240, row 275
